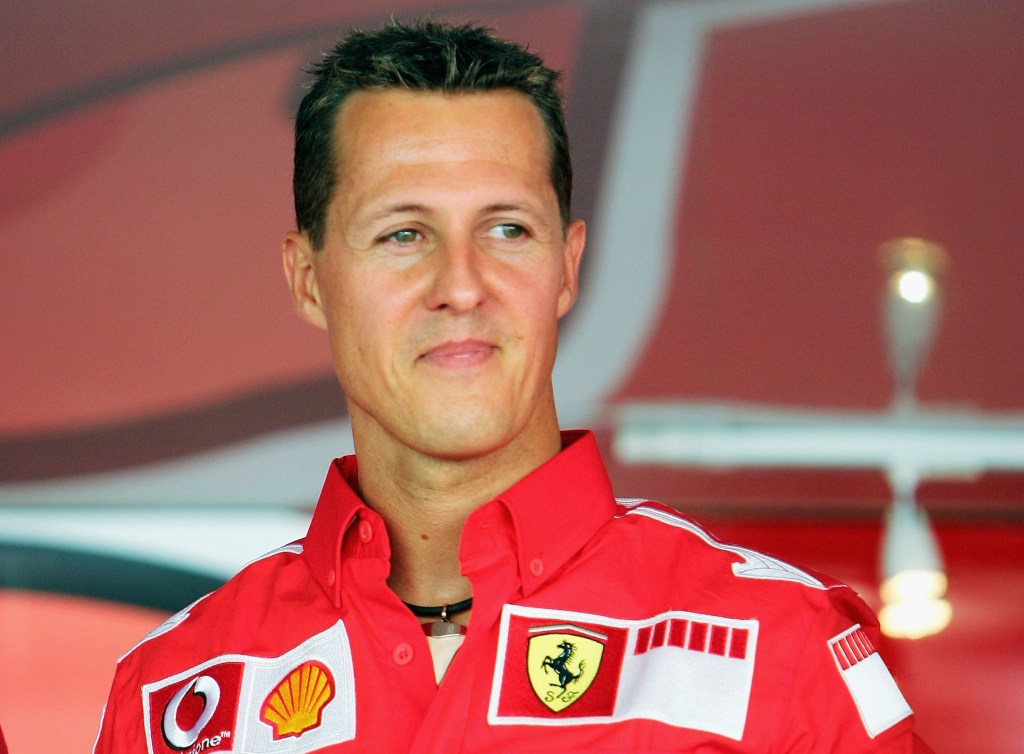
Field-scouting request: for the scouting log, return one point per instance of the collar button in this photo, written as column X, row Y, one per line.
column 365, row 532
column 402, row 654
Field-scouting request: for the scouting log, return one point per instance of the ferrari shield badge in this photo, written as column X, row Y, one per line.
column 562, row 662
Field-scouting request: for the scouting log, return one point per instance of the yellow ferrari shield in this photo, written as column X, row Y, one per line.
column 562, row 665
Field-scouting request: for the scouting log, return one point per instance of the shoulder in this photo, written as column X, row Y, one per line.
column 214, row 623
column 673, row 560
column 813, row 636
column 271, row 625
column 659, row 524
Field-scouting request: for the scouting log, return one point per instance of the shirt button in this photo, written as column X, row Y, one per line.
column 331, row 577
column 536, row 566
column 365, row 532
column 402, row 654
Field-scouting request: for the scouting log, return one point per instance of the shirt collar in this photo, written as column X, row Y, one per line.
column 336, row 511
column 552, row 512
column 548, row 516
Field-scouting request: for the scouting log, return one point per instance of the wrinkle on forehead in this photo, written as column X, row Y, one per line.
column 424, row 127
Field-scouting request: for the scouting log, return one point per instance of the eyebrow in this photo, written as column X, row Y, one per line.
column 396, row 209
column 509, row 208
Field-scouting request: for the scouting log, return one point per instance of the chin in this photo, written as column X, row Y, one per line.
column 461, row 440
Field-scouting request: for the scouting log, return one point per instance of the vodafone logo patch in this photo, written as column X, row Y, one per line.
column 206, row 689
column 195, row 714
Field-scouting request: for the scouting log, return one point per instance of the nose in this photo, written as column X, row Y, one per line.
column 458, row 283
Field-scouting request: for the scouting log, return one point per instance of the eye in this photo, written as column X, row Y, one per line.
column 404, row 236
column 507, row 231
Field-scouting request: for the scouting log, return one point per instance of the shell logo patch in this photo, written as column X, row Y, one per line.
column 562, row 662
column 297, row 703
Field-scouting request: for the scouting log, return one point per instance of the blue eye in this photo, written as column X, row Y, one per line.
column 507, row 231
column 406, row 235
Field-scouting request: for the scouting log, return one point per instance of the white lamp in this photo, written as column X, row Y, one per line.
column 914, row 580
column 914, row 588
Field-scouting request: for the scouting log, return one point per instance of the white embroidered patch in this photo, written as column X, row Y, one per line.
column 755, row 565
column 232, row 703
column 557, row 667
column 875, row 693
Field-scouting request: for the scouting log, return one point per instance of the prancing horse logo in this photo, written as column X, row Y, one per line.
column 572, row 653
column 565, row 677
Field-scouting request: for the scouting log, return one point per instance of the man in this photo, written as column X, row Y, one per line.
column 471, row 584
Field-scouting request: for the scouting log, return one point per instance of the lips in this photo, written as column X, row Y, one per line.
column 459, row 354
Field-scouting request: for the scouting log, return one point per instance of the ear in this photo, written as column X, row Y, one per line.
column 575, row 240
column 299, row 260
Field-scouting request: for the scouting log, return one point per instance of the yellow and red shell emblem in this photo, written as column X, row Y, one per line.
column 297, row 703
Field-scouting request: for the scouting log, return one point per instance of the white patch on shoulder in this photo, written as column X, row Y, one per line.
column 877, row 697
column 755, row 565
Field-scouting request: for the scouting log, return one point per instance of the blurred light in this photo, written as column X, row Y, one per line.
column 911, row 308
column 915, row 286
column 914, row 583
column 915, row 619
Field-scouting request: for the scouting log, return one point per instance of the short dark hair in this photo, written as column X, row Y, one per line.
column 425, row 55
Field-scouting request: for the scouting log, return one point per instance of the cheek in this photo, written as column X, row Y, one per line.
column 538, row 326
column 345, row 323
column 353, row 332
column 366, row 327
column 546, row 304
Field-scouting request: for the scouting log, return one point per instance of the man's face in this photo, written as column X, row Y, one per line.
column 444, row 271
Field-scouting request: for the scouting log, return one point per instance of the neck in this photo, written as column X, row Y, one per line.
column 425, row 502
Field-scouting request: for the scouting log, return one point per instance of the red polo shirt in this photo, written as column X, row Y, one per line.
column 597, row 624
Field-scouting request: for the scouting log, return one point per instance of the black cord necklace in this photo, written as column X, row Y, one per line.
column 439, row 611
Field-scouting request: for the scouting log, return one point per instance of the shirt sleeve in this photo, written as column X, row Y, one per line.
column 844, row 698
column 121, row 727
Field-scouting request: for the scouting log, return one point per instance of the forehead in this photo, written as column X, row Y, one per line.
column 397, row 126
